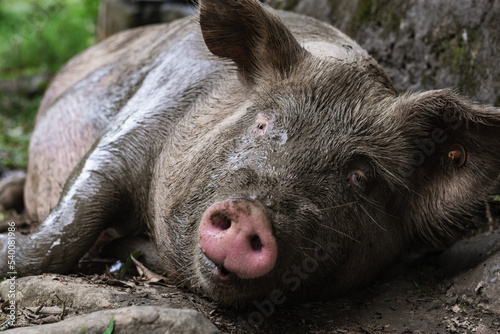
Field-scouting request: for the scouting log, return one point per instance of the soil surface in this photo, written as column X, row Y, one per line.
column 451, row 291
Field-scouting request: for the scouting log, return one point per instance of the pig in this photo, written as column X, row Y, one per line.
column 255, row 153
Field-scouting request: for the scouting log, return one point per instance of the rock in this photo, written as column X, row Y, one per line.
column 81, row 296
column 169, row 309
column 469, row 252
column 422, row 44
column 480, row 286
column 134, row 319
column 35, row 290
column 474, row 267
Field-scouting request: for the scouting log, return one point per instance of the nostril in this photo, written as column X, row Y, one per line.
column 255, row 242
column 220, row 221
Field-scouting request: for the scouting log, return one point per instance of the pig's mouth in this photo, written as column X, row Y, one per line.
column 219, row 283
column 219, row 273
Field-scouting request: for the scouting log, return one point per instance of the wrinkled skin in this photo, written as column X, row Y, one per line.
column 279, row 130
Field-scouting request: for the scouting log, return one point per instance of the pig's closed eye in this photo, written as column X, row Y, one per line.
column 358, row 179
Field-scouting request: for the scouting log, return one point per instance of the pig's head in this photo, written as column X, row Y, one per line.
column 309, row 173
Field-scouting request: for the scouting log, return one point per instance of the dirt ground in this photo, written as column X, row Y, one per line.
column 429, row 292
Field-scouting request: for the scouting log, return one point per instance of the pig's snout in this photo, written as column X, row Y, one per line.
column 237, row 237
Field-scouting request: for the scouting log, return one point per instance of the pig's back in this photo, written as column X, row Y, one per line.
column 81, row 101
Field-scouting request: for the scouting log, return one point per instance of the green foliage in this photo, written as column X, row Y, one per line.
column 17, row 114
column 111, row 326
column 38, row 35
column 4, row 216
column 128, row 263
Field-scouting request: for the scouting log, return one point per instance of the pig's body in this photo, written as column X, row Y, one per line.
column 294, row 172
column 157, row 64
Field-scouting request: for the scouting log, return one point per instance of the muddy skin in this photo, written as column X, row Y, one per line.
column 264, row 154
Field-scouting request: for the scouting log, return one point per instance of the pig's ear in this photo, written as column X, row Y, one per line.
column 451, row 149
column 248, row 34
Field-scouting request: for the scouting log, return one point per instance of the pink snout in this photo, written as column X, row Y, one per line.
column 237, row 235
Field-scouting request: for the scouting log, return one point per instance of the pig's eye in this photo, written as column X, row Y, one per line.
column 358, row 179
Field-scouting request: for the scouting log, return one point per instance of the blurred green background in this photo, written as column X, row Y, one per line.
column 36, row 38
